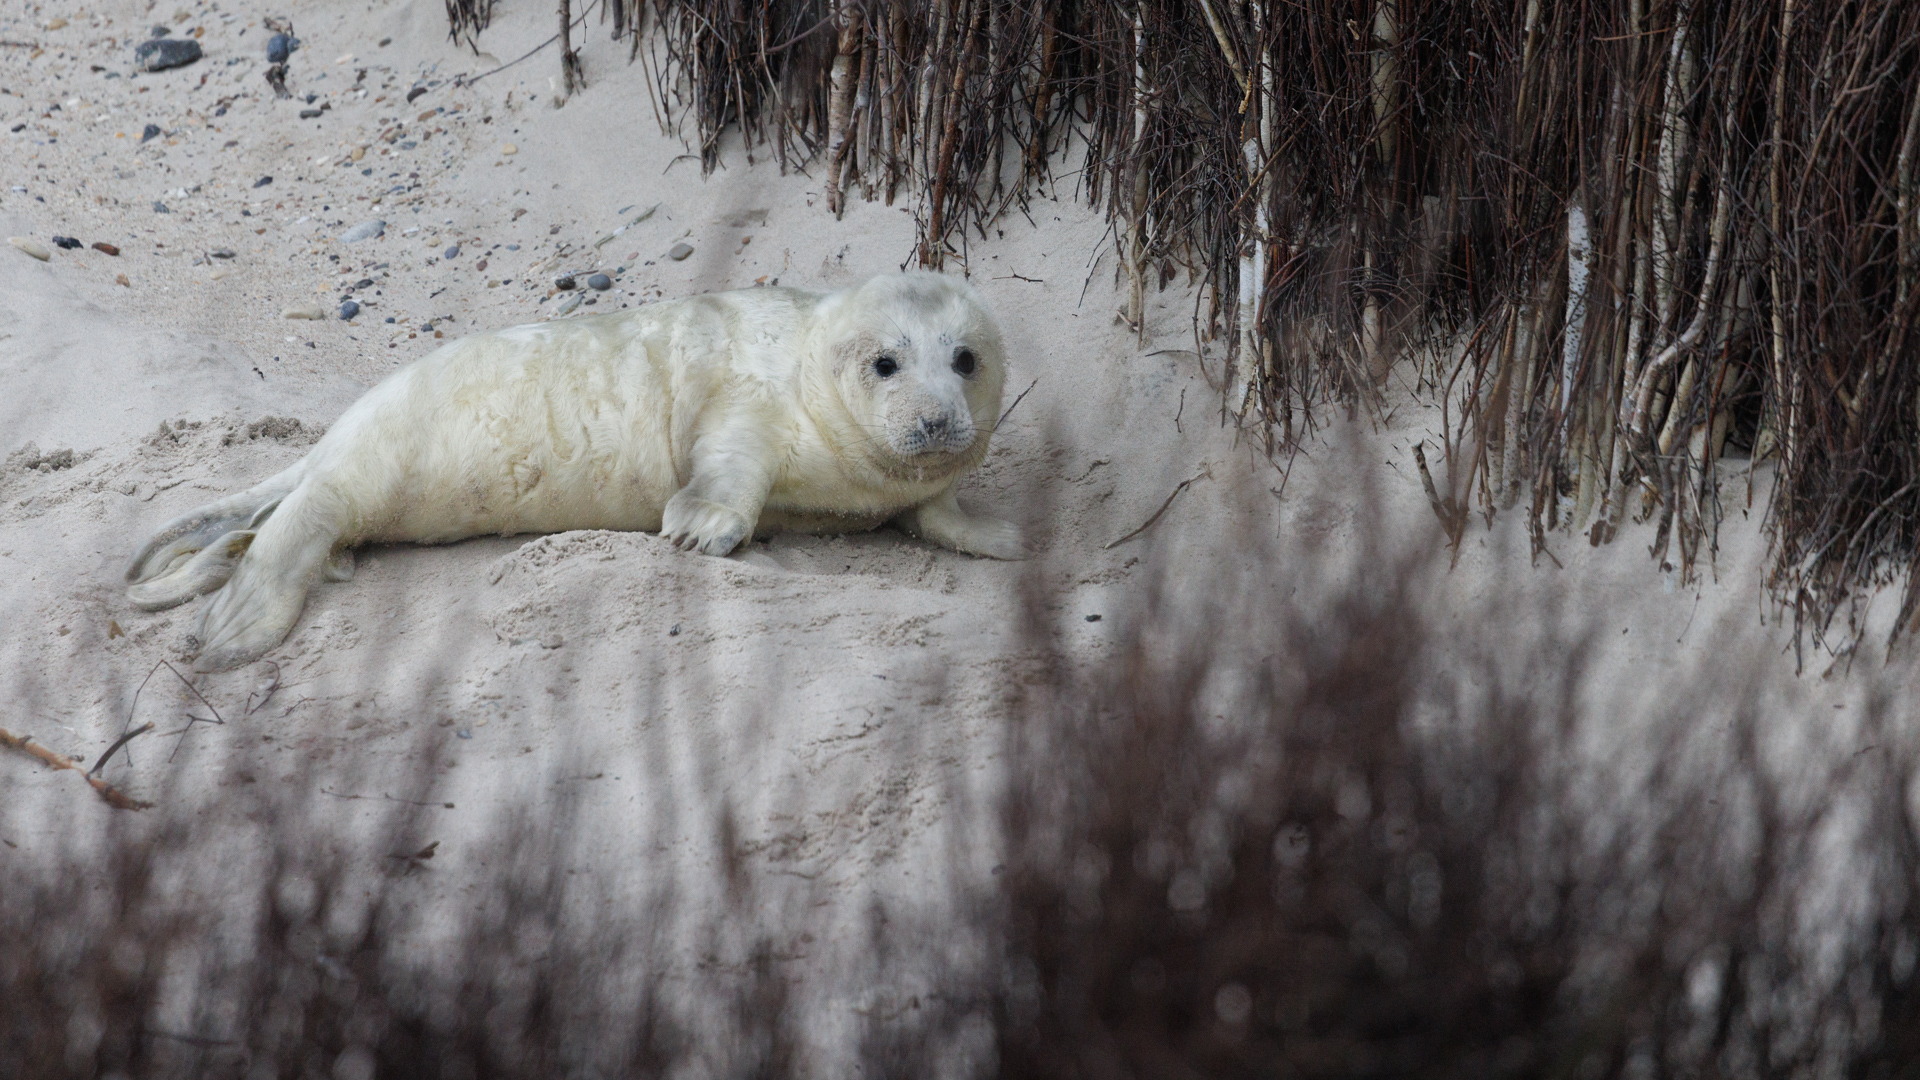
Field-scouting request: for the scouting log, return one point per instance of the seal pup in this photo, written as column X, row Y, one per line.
column 709, row 420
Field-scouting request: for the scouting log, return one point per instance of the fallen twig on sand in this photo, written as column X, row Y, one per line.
column 126, row 736
column 116, row 798
column 123, row 740
column 1016, row 403
column 1205, row 472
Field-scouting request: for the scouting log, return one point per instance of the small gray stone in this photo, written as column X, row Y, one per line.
column 600, row 283
column 451, row 253
column 152, row 131
column 159, row 31
column 279, row 47
column 310, row 114
column 159, row 54
column 680, row 251
column 348, row 310
column 366, row 230
column 161, row 208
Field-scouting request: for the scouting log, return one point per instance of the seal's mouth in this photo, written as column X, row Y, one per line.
column 933, row 436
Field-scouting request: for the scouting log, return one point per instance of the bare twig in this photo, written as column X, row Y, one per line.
column 1205, row 472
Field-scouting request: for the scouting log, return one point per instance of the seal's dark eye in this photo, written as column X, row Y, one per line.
column 963, row 361
column 885, row 367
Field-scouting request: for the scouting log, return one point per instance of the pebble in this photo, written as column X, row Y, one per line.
column 564, row 282
column 366, row 230
column 159, row 32
column 600, row 283
column 151, row 131
column 509, row 150
column 363, row 283
column 571, row 303
column 32, row 248
column 680, row 251
column 105, row 248
column 279, row 47
column 161, row 208
column 309, row 114
column 348, row 310
column 65, row 243
column 415, row 93
column 121, row 279
column 159, row 54
column 221, row 253
column 304, row 311
column 451, row 253
column 56, row 23
column 263, row 181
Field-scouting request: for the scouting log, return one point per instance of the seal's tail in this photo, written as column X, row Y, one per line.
column 197, row 552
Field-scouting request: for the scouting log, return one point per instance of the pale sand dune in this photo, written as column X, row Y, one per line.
column 842, row 699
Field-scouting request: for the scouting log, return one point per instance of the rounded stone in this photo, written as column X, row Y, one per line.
column 279, row 47
column 31, row 247
column 600, row 283
column 159, row 54
column 348, row 309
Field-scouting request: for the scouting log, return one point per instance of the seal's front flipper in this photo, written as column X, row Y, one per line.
column 202, row 573
column 941, row 520
column 696, row 524
column 720, row 505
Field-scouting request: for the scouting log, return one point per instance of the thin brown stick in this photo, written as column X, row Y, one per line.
column 114, row 796
column 1205, row 472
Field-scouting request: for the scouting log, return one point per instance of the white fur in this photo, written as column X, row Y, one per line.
column 709, row 419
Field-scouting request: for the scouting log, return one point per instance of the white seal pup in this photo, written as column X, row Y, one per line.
column 710, row 420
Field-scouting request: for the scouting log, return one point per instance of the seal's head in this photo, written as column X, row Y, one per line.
column 919, row 367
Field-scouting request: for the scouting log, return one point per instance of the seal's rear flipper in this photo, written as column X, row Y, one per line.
column 183, row 537
column 262, row 600
column 202, row 573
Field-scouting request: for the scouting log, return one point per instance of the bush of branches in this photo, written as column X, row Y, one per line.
column 1640, row 237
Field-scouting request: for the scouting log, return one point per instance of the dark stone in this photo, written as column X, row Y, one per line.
column 105, row 248
column 151, row 131
column 279, row 47
column 309, row 114
column 451, row 253
column 159, row 32
column 600, row 283
column 348, row 310
column 263, row 181
column 563, row 282
column 221, row 253
column 159, row 54
column 389, row 318
column 415, row 93
column 363, row 283
column 161, row 208
column 65, row 243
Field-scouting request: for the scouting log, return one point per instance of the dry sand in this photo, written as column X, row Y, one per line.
column 839, row 703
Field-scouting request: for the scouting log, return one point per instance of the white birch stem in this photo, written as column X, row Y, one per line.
column 1579, row 254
